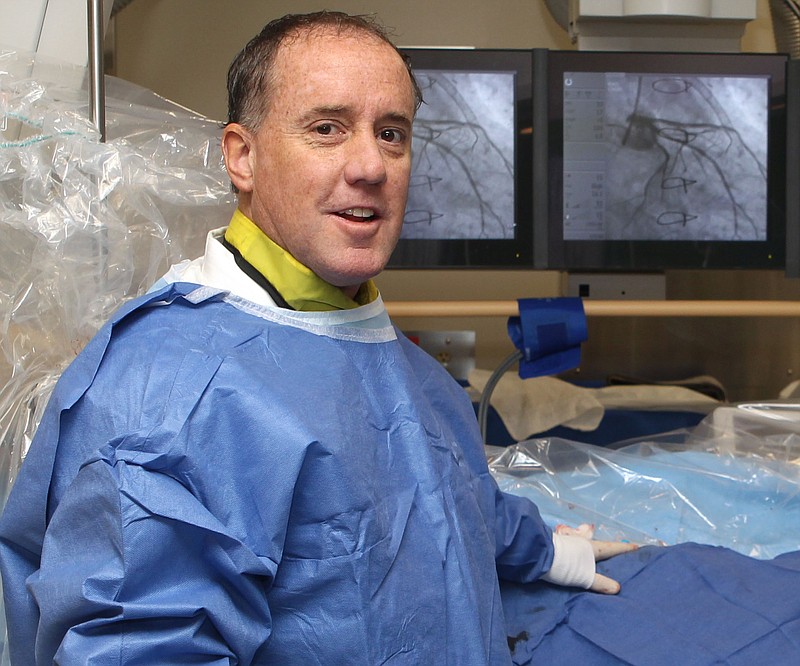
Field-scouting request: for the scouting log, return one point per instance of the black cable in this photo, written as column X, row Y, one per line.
column 794, row 7
column 253, row 273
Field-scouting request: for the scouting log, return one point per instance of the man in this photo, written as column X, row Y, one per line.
column 248, row 465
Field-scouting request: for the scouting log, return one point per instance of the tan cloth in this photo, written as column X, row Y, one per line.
column 530, row 406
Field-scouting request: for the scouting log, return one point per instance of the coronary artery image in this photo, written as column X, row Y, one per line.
column 462, row 181
column 665, row 157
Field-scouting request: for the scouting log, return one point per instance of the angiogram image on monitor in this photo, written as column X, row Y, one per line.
column 661, row 161
column 665, row 156
column 470, row 192
column 462, row 177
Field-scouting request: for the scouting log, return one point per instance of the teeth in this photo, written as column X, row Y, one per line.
column 360, row 212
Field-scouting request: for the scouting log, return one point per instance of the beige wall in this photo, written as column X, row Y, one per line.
column 181, row 49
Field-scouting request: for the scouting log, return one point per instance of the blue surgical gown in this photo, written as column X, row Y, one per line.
column 217, row 482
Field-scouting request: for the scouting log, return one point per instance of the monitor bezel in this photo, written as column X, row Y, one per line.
column 663, row 255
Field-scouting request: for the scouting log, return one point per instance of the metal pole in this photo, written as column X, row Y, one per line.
column 97, row 87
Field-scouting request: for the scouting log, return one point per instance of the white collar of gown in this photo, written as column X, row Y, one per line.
column 216, row 271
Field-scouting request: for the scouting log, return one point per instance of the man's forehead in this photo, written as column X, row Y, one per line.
column 310, row 47
column 315, row 54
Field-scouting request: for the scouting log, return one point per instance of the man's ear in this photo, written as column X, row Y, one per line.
column 236, row 149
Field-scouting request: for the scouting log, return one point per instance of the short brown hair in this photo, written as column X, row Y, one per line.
column 250, row 73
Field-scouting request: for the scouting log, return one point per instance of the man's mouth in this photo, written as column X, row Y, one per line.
column 357, row 214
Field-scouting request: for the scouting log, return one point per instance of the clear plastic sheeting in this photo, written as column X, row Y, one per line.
column 86, row 225
column 733, row 481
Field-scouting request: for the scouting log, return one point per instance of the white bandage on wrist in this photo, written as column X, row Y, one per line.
column 573, row 562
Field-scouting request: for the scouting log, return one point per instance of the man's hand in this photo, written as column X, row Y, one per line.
column 602, row 551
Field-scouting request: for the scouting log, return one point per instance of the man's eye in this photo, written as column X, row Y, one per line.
column 326, row 129
column 392, row 135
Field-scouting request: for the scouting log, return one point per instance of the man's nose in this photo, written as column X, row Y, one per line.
column 365, row 160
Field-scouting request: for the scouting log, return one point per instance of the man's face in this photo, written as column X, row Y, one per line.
column 330, row 161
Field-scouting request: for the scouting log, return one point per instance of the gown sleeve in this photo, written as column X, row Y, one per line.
column 524, row 543
column 135, row 570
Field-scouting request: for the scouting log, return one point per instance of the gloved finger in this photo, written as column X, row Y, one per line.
column 605, row 549
column 602, row 549
column 584, row 530
column 604, row 584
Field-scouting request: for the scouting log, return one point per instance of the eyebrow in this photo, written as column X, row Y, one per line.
column 339, row 110
column 326, row 111
column 399, row 118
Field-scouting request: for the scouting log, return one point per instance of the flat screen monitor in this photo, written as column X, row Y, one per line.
column 666, row 161
column 470, row 193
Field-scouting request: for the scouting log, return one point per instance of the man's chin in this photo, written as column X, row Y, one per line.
column 353, row 283
column 356, row 275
